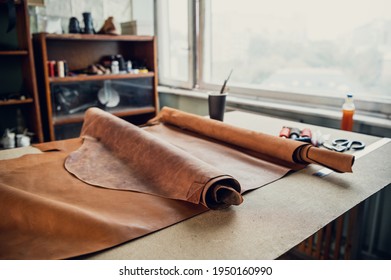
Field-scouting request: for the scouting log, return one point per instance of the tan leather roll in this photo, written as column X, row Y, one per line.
column 271, row 146
column 118, row 155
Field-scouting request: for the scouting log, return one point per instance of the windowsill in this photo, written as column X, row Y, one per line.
column 286, row 110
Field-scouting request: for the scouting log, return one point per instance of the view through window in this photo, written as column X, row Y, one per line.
column 173, row 30
column 303, row 46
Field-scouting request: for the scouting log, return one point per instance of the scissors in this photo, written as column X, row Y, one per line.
column 341, row 145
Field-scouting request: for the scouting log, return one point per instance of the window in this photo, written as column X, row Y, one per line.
column 175, row 42
column 284, row 49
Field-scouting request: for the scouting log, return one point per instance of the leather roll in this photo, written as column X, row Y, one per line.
column 118, row 155
column 269, row 146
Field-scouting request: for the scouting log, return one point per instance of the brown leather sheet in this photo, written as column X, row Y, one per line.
column 139, row 181
column 47, row 213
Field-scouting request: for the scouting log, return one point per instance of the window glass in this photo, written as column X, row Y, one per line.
column 173, row 40
column 303, row 46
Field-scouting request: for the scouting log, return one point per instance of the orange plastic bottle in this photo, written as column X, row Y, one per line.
column 348, row 109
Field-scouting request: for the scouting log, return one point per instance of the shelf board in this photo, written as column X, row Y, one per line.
column 82, row 78
column 14, row 52
column 16, row 102
column 124, row 112
column 98, row 37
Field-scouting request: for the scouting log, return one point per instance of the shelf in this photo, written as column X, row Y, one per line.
column 82, row 78
column 16, row 102
column 98, row 37
column 14, row 52
column 139, row 91
column 68, row 119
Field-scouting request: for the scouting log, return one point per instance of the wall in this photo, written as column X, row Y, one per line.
column 58, row 12
column 142, row 12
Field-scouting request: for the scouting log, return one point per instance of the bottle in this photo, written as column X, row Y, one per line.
column 114, row 67
column 347, row 113
column 60, row 69
column 129, row 66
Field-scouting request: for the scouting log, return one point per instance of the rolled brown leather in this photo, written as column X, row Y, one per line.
column 126, row 157
column 270, row 146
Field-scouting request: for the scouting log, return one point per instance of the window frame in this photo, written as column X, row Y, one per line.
column 159, row 29
column 198, row 11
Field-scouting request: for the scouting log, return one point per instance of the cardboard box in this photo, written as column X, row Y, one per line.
column 129, row 28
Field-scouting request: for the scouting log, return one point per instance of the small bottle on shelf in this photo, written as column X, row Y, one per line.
column 129, row 66
column 114, row 67
column 348, row 109
column 60, row 69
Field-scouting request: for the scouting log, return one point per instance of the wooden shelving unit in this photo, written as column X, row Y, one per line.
column 119, row 113
column 81, row 50
column 16, row 102
column 16, row 52
column 18, row 88
column 82, row 78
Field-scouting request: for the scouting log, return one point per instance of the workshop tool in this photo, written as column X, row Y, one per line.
column 305, row 136
column 306, row 132
column 342, row 145
column 225, row 82
column 294, row 133
column 304, row 139
column 285, row 131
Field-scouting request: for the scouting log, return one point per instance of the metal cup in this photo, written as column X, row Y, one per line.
column 216, row 103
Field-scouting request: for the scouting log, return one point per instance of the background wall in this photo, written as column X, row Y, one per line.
column 58, row 12
column 142, row 12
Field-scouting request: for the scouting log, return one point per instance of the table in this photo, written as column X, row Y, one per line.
column 272, row 219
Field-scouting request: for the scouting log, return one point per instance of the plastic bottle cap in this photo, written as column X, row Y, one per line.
column 349, row 95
